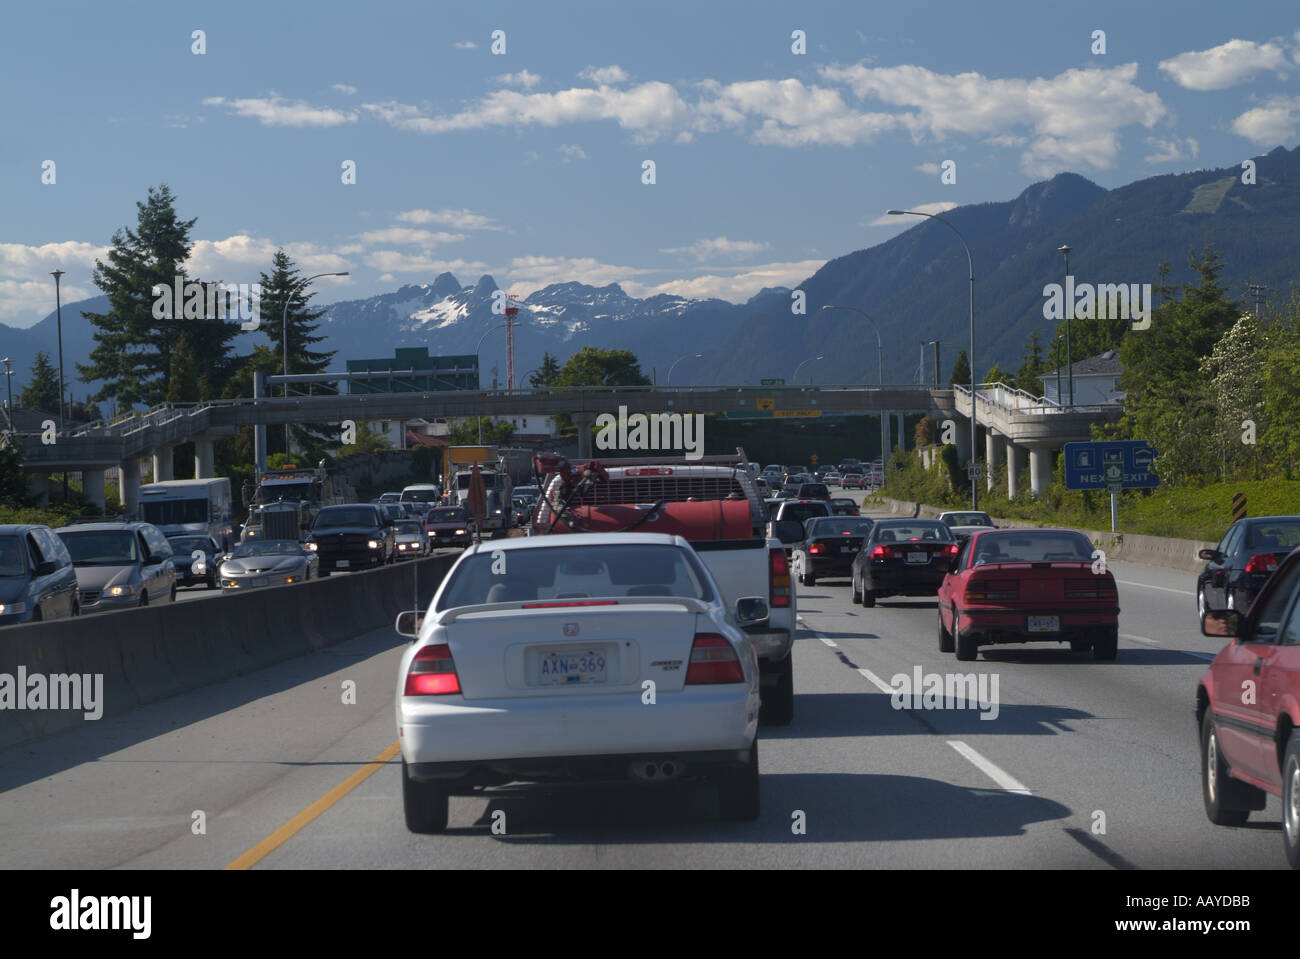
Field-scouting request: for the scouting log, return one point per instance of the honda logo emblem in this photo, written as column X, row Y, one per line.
column 570, row 629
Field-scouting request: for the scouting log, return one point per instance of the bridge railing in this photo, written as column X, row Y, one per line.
column 1010, row 399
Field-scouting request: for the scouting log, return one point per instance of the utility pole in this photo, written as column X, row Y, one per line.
column 1257, row 290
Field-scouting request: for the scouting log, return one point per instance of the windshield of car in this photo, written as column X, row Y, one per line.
column 109, row 547
column 1273, row 535
column 344, row 517
column 558, row 573
column 12, row 562
column 845, row 526
column 448, row 514
column 802, row 511
column 410, row 527
column 188, row 544
column 268, row 547
column 968, row 519
column 932, row 532
column 1032, row 546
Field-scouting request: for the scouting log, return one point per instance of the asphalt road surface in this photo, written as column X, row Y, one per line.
column 1087, row 765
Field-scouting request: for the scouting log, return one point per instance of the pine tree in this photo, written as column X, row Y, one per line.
column 546, row 374
column 132, row 353
column 42, row 393
column 960, row 371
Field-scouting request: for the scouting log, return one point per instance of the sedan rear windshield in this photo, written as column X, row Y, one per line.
column 558, row 573
column 968, row 519
column 1023, row 546
column 925, row 532
column 802, row 511
column 345, row 517
column 1273, row 536
column 102, row 547
column 840, row 527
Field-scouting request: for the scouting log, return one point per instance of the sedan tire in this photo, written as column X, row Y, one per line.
column 1228, row 801
column 777, row 707
column 868, row 597
column 967, row 649
column 1106, row 647
column 946, row 641
column 857, row 593
column 738, row 790
column 1291, row 801
column 424, row 803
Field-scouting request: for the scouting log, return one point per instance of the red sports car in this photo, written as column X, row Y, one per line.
column 1248, row 709
column 1026, row 586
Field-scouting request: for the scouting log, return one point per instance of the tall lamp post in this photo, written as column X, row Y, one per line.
column 1069, row 308
column 1059, row 337
column 974, row 486
column 688, row 356
column 811, row 359
column 284, row 336
column 58, row 307
column 9, row 372
column 477, row 365
column 880, row 377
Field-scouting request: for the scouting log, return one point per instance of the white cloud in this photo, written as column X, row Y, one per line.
column 791, row 113
column 393, row 261
column 403, row 234
column 736, row 288
column 465, row 45
column 886, row 220
column 26, row 287
column 1073, row 118
column 529, row 273
column 276, row 111
column 718, row 246
column 1225, row 65
column 456, row 219
column 1172, row 150
column 523, row 79
column 344, row 88
column 604, row 76
column 387, row 278
column 1278, row 120
column 572, row 152
column 930, row 168
column 242, row 258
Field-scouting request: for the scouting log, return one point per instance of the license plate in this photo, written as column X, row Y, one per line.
column 918, row 557
column 342, row 563
column 1044, row 624
column 259, row 581
column 572, row 667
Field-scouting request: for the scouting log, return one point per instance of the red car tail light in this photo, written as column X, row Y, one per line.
column 985, row 590
column 1262, row 563
column 816, row 548
column 1096, row 587
column 778, row 577
column 952, row 549
column 571, row 602
column 432, row 673
column 882, row 552
column 713, row 660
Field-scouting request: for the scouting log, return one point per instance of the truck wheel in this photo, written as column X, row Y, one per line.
column 777, row 706
column 425, row 804
column 1228, row 801
column 1291, row 801
column 738, row 790
column 1106, row 647
column 945, row 637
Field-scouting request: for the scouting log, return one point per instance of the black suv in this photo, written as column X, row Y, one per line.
column 356, row 536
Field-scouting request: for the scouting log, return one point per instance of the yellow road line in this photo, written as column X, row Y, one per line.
column 282, row 835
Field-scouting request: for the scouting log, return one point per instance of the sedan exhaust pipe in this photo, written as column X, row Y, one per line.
column 656, row 771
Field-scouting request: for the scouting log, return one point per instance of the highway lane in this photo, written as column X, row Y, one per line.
column 877, row 787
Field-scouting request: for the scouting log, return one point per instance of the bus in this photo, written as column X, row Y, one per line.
column 200, row 506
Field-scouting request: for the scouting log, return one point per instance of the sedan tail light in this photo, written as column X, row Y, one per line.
column 778, row 575
column 816, row 548
column 1096, row 587
column 432, row 673
column 713, row 660
column 1262, row 563
column 982, row 590
column 882, row 552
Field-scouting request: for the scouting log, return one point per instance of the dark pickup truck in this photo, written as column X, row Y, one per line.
column 355, row 536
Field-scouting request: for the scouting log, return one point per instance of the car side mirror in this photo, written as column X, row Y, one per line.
column 408, row 623
column 1221, row 622
column 46, row 568
column 1212, row 555
column 156, row 558
column 750, row 610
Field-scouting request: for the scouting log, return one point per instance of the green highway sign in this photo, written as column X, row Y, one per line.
column 773, row 382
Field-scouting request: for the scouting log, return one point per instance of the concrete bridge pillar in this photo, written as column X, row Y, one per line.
column 1040, row 469
column 39, row 486
column 584, row 422
column 162, row 464
column 993, row 445
column 92, row 487
column 129, row 485
column 962, row 441
column 203, row 459
column 1015, row 464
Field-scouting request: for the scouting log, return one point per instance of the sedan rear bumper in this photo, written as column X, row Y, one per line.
column 611, row 768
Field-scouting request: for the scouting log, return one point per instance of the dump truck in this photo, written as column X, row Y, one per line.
column 458, row 472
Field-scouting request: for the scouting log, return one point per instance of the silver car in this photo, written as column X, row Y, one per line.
column 267, row 562
column 411, row 539
column 120, row 565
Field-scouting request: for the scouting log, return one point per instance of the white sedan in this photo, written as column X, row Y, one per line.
column 606, row 656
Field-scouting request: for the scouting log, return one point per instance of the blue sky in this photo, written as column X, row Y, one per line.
column 528, row 164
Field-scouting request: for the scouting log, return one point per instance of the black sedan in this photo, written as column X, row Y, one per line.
column 1238, row 567
column 902, row 557
column 195, row 560
column 829, row 546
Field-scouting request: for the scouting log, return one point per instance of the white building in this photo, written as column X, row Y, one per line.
column 1096, row 382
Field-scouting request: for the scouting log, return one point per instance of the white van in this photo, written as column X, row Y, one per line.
column 421, row 493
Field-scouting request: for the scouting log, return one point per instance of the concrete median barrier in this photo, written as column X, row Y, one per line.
column 145, row 655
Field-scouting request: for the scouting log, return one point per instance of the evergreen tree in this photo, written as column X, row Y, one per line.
column 995, row 375
column 42, row 393
column 494, row 432
column 546, row 374
column 960, row 371
column 1032, row 365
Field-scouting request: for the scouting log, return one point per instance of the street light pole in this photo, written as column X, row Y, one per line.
column 1069, row 308
column 58, row 307
column 812, row 359
column 974, row 486
column 9, row 373
column 477, row 365
column 284, row 336
column 880, row 378
column 669, row 380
